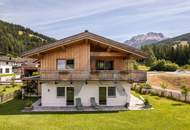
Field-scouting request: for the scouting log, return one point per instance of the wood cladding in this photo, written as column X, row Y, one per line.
column 83, row 58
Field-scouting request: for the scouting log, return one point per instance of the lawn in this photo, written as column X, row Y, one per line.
column 8, row 88
column 166, row 115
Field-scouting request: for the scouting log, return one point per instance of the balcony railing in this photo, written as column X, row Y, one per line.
column 131, row 75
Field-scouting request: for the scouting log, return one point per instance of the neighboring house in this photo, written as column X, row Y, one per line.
column 86, row 66
column 9, row 66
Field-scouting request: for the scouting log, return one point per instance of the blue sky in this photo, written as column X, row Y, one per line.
column 115, row 19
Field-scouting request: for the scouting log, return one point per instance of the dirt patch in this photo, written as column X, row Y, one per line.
column 173, row 81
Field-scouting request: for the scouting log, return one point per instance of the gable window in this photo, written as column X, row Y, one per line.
column 104, row 65
column 60, row 91
column 65, row 64
column 1, row 70
column 7, row 70
column 69, row 64
column 111, row 91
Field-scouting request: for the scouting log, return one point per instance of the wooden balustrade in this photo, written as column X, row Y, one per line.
column 131, row 75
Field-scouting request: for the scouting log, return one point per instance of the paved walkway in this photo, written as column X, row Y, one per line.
column 136, row 103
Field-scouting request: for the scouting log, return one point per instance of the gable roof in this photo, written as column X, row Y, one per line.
column 86, row 35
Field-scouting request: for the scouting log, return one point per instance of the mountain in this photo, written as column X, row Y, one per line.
column 14, row 39
column 142, row 39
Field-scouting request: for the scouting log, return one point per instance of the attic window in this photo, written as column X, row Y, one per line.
column 63, row 64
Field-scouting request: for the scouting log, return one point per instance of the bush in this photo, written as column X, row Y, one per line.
column 145, row 85
column 29, row 103
column 186, row 67
column 18, row 94
column 146, row 102
column 162, row 65
column 4, row 89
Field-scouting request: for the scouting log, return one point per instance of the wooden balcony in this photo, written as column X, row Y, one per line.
column 105, row 75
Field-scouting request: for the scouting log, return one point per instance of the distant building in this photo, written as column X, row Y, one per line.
column 9, row 65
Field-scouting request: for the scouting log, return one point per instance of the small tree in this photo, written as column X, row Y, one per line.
column 185, row 91
column 163, row 86
column 13, row 84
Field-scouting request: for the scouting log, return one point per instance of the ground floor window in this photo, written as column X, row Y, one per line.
column 1, row 70
column 60, row 91
column 111, row 91
column 7, row 70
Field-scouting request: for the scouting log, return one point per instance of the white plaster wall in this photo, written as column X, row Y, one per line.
column 49, row 95
column 4, row 67
column 87, row 91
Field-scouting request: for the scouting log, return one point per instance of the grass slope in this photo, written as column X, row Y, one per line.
column 167, row 115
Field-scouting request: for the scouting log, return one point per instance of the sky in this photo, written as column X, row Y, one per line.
column 115, row 19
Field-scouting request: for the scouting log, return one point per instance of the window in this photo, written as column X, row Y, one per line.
column 70, row 64
column 1, row 70
column 7, row 70
column 104, row 65
column 111, row 91
column 60, row 91
column 65, row 64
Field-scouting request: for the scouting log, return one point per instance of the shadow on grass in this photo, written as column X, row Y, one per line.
column 15, row 107
column 177, row 104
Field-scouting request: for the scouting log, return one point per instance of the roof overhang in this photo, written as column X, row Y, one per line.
column 82, row 36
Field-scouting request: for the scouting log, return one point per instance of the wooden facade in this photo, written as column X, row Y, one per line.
column 85, row 52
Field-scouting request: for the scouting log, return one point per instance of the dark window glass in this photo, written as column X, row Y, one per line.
column 1, row 70
column 70, row 64
column 7, row 70
column 111, row 91
column 60, row 91
column 108, row 65
column 100, row 65
column 104, row 65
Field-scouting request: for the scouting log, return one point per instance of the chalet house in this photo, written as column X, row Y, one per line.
column 8, row 65
column 86, row 70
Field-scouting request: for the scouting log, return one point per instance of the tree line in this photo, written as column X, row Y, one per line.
column 178, row 54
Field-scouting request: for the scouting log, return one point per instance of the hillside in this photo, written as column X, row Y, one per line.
column 14, row 39
column 144, row 39
column 175, row 49
column 183, row 37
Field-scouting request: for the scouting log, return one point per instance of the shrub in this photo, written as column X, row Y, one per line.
column 162, row 65
column 146, row 102
column 163, row 86
column 186, row 67
column 145, row 85
column 19, row 94
column 4, row 89
column 29, row 103
column 185, row 91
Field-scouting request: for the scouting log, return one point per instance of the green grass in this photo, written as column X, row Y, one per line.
column 3, row 75
column 5, row 89
column 166, row 115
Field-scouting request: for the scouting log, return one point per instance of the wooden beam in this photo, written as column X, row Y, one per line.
column 108, row 54
column 109, row 49
column 63, row 48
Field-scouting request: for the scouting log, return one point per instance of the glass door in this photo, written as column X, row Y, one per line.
column 70, row 95
column 102, row 95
